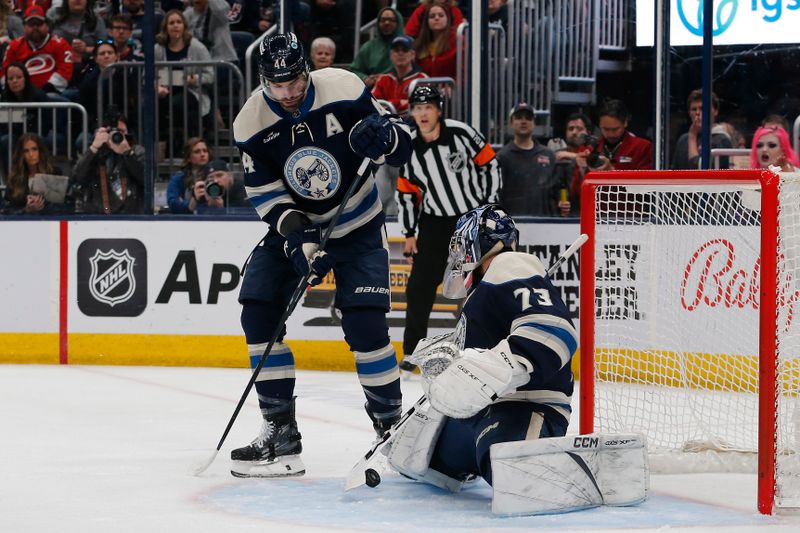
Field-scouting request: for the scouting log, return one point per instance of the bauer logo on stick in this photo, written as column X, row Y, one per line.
column 112, row 277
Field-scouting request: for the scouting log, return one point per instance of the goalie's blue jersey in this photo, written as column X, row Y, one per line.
column 516, row 301
column 302, row 160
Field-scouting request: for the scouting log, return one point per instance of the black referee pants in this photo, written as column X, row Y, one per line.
column 433, row 242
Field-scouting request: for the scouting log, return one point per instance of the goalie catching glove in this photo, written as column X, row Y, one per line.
column 302, row 248
column 373, row 137
column 476, row 379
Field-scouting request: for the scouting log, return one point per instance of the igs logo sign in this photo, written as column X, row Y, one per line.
column 112, row 277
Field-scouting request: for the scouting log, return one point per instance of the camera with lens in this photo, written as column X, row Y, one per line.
column 214, row 189
column 593, row 159
column 110, row 121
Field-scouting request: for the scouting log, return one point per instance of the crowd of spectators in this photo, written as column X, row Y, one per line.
column 414, row 40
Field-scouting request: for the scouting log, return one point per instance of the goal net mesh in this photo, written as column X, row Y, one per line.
column 676, row 323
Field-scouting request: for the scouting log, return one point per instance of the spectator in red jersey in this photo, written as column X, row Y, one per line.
column 393, row 86
column 618, row 148
column 417, row 18
column 47, row 57
column 436, row 42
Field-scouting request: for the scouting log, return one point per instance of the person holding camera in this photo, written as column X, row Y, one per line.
column 200, row 186
column 529, row 181
column 618, row 148
column 111, row 171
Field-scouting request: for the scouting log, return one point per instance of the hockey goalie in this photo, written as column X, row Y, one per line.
column 498, row 389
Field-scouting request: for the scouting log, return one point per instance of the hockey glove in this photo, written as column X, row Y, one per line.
column 302, row 248
column 373, row 137
column 477, row 379
column 433, row 355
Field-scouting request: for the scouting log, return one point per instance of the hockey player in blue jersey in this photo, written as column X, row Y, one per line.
column 507, row 375
column 302, row 139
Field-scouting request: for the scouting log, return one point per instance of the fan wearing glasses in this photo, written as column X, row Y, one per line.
column 120, row 29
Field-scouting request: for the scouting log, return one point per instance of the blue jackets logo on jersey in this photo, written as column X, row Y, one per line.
column 313, row 173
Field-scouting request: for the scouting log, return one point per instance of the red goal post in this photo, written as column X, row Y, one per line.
column 688, row 289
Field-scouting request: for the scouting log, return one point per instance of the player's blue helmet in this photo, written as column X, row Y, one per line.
column 480, row 234
column 281, row 59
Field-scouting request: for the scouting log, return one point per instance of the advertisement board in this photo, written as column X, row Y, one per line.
column 734, row 22
column 165, row 292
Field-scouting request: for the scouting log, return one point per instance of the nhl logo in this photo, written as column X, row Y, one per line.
column 457, row 161
column 112, row 280
column 112, row 283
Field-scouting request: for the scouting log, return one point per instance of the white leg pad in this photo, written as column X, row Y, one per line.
column 557, row 475
column 412, row 448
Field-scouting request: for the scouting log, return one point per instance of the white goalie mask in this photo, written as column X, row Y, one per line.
column 480, row 234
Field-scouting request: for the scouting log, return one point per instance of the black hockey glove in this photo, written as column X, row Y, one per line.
column 373, row 137
column 302, row 248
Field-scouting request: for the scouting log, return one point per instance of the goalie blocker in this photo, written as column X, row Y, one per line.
column 563, row 474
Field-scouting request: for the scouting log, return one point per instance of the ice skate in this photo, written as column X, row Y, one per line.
column 274, row 453
column 383, row 421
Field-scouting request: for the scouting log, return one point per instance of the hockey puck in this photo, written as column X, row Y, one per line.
column 373, row 477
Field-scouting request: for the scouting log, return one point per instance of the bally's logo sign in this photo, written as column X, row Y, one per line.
column 112, row 277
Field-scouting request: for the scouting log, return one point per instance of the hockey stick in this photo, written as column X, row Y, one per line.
column 362, row 172
column 365, row 471
column 569, row 252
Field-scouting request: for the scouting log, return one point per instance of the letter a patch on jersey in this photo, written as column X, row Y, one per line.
column 332, row 126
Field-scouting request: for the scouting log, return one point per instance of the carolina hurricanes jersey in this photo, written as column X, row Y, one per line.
column 539, row 329
column 49, row 63
column 303, row 161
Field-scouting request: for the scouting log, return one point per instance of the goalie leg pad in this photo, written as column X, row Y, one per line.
column 412, row 448
column 563, row 474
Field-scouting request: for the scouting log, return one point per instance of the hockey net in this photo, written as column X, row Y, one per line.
column 689, row 308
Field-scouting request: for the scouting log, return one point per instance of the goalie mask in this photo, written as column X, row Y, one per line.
column 283, row 69
column 480, row 234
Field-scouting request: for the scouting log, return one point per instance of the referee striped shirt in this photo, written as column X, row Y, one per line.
column 446, row 177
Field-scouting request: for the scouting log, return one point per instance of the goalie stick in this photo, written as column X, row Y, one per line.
column 366, row 470
column 363, row 171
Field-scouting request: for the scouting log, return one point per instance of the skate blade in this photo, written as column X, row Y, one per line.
column 283, row 466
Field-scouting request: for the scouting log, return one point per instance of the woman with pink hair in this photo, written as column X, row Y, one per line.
column 771, row 147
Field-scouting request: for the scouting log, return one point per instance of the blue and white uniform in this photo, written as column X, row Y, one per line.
column 514, row 301
column 302, row 162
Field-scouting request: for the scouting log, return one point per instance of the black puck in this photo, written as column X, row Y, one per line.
column 373, row 477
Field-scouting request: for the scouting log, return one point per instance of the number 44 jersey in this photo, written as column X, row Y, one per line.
column 515, row 300
column 302, row 160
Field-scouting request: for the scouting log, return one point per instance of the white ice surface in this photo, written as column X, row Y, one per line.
column 110, row 449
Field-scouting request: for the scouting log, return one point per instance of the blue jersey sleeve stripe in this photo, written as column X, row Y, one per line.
column 260, row 199
column 545, row 339
column 545, row 320
column 566, row 337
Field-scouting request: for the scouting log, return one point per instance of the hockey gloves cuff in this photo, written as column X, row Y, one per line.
column 373, row 137
column 302, row 248
column 477, row 379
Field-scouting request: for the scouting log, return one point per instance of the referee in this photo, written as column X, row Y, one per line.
column 452, row 170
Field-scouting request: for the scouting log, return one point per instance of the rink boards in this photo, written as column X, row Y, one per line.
column 164, row 292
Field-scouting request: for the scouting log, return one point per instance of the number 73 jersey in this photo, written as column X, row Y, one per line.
column 515, row 300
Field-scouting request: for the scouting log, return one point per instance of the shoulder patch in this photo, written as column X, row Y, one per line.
column 254, row 117
column 335, row 85
column 509, row 266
